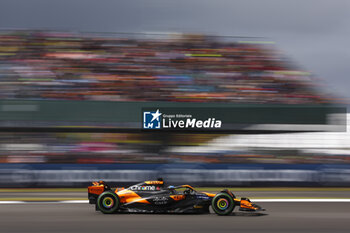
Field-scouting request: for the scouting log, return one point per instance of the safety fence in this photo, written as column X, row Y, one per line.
column 80, row 175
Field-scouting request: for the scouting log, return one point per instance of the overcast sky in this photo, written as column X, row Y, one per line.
column 314, row 33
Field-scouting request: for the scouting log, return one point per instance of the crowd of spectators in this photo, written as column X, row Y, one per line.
column 47, row 65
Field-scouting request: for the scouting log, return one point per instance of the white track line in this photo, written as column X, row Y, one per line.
column 12, row 202
column 253, row 200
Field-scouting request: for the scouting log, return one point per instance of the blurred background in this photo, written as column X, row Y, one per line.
column 74, row 77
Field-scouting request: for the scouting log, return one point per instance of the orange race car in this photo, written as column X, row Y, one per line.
column 154, row 197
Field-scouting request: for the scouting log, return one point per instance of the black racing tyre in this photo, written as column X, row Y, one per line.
column 223, row 204
column 108, row 202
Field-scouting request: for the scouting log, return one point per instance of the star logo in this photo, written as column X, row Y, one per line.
column 156, row 115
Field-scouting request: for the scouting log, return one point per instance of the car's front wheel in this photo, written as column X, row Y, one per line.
column 223, row 204
column 108, row 202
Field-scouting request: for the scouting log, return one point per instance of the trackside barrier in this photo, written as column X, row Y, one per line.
column 76, row 175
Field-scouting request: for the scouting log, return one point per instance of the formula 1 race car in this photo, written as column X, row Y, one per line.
column 154, row 197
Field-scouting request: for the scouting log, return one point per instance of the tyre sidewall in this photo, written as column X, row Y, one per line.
column 103, row 209
column 230, row 201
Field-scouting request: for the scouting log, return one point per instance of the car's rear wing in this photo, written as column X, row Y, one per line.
column 97, row 188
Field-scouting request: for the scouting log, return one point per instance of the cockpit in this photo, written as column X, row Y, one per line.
column 182, row 189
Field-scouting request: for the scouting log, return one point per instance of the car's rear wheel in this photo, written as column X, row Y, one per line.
column 223, row 204
column 108, row 202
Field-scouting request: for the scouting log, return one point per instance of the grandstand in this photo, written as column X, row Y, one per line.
column 69, row 81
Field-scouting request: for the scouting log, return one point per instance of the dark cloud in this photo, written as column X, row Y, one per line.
column 315, row 33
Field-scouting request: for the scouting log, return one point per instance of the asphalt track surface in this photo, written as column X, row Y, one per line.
column 280, row 217
column 297, row 217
